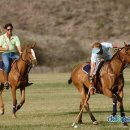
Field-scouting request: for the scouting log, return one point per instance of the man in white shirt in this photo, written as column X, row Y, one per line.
column 100, row 52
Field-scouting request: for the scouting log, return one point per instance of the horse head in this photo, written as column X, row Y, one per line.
column 125, row 53
column 28, row 54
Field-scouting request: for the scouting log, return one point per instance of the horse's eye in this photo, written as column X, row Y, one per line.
column 29, row 52
column 126, row 49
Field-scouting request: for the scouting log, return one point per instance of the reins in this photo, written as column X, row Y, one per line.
column 28, row 66
column 27, row 62
column 117, row 57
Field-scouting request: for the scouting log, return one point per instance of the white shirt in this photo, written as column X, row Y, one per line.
column 106, row 53
column 106, row 46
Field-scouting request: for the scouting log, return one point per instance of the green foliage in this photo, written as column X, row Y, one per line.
column 60, row 54
column 65, row 54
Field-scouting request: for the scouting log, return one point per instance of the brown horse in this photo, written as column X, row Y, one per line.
column 18, row 76
column 3, row 80
column 110, row 83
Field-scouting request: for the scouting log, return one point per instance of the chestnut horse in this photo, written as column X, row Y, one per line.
column 2, row 81
column 110, row 82
column 18, row 76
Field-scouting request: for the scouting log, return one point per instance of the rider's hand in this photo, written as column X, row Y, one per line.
column 91, row 79
column 20, row 53
column 6, row 47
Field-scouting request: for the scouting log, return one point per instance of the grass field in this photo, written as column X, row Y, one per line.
column 52, row 104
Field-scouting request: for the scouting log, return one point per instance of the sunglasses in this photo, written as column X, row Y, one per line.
column 9, row 29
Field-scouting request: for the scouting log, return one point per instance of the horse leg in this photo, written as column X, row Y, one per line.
column 90, row 113
column 81, row 90
column 84, row 103
column 108, row 93
column 119, row 99
column 121, row 107
column 120, row 85
column 83, row 96
column 13, row 92
column 114, row 106
column 22, row 90
column 80, row 116
column 1, row 104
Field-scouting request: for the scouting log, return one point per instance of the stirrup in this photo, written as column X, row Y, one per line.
column 6, row 85
column 90, row 90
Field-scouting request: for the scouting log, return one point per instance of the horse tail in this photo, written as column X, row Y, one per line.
column 70, row 81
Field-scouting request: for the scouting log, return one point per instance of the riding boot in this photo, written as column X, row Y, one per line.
column 92, row 89
column 6, row 84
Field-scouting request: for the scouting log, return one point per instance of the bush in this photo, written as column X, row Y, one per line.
column 60, row 54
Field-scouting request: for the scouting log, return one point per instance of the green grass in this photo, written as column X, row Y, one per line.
column 52, row 104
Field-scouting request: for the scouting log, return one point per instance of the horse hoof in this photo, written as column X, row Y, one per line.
column 80, row 122
column 95, row 122
column 125, row 124
column 13, row 116
column 2, row 112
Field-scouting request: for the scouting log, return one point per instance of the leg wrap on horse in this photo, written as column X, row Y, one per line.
column 14, row 109
column 122, row 111
column 114, row 107
column 19, row 106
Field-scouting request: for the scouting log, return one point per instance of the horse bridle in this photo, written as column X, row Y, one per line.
column 126, row 50
column 27, row 62
column 119, row 58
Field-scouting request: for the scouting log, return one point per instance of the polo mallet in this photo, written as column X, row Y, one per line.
column 3, row 37
column 6, row 44
column 79, row 113
column 2, row 34
column 81, row 109
column 83, row 106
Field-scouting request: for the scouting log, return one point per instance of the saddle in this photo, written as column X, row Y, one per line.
column 87, row 69
column 2, row 64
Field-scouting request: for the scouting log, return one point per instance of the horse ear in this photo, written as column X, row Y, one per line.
column 33, row 45
column 28, row 46
column 125, row 44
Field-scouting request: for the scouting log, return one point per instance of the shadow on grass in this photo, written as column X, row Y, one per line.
column 77, row 112
column 106, row 111
column 72, row 113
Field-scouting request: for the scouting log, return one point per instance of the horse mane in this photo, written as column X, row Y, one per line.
column 116, row 53
column 127, row 47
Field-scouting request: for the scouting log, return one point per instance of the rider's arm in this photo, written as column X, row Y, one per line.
column 116, row 46
column 93, row 63
column 110, row 45
column 4, row 49
column 18, row 44
column 19, row 49
column 93, row 66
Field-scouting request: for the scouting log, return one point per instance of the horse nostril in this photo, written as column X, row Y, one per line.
column 34, row 62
